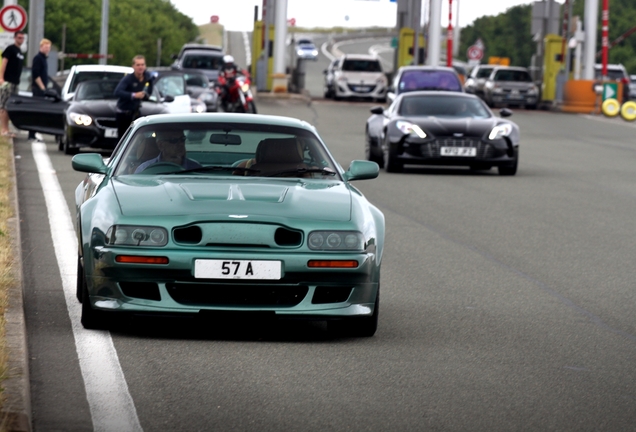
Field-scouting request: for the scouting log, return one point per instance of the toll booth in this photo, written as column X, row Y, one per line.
column 262, row 68
column 405, row 47
column 552, row 65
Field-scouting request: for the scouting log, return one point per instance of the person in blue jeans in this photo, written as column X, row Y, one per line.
column 130, row 91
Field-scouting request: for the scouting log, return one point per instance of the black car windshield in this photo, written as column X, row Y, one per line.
column 414, row 80
column 96, row 90
column 361, row 65
column 196, row 80
column 445, row 106
column 82, row 76
column 203, row 61
column 226, row 149
column 512, row 75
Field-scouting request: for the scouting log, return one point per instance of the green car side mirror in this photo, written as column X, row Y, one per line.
column 362, row 170
column 89, row 163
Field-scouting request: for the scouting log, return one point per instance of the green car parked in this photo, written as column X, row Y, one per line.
column 227, row 214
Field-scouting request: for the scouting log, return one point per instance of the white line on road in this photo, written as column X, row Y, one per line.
column 111, row 406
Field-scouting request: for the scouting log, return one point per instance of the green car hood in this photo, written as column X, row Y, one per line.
column 328, row 200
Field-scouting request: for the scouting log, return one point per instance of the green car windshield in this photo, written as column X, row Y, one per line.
column 256, row 150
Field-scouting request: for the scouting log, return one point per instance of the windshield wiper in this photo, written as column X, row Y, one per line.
column 323, row 171
column 214, row 168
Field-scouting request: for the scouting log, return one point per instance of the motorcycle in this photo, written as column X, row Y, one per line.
column 237, row 96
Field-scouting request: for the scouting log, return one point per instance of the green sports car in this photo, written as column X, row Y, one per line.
column 227, row 214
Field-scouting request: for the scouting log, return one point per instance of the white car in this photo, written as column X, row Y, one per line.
column 355, row 76
column 81, row 73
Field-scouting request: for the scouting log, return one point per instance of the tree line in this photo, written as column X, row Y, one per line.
column 134, row 26
column 508, row 34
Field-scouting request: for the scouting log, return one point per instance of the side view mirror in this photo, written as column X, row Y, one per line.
column 168, row 99
column 505, row 112
column 52, row 94
column 377, row 110
column 325, row 72
column 362, row 170
column 390, row 96
column 174, row 56
column 89, row 163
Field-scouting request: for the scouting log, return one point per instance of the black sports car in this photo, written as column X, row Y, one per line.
column 87, row 120
column 442, row 128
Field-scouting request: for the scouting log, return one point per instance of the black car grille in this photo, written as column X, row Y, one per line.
column 105, row 122
column 432, row 149
column 260, row 295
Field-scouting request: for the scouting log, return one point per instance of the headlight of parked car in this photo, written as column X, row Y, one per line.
column 336, row 240
column 80, row 119
column 499, row 131
column 533, row 90
column 408, row 128
column 136, row 235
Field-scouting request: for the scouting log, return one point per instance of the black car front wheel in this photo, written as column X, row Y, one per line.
column 508, row 170
column 391, row 163
column 92, row 319
column 68, row 148
column 370, row 151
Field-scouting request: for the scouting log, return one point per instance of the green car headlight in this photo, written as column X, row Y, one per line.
column 336, row 240
column 81, row 119
column 135, row 235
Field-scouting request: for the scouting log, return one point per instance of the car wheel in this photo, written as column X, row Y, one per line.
column 390, row 158
column 79, row 288
column 369, row 153
column 508, row 170
column 91, row 319
column 531, row 107
column 67, row 147
column 357, row 327
column 251, row 107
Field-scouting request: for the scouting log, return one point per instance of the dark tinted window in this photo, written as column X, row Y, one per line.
column 96, row 90
column 361, row 65
column 483, row 72
column 413, row 80
column 612, row 74
column 202, row 61
column 512, row 75
column 196, row 80
column 436, row 106
column 94, row 75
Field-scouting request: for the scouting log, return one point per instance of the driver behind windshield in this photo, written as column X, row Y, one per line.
column 171, row 145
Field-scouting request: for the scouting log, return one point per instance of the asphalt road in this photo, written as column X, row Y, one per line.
column 507, row 303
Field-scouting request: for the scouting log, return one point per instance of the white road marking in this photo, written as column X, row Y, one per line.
column 111, row 406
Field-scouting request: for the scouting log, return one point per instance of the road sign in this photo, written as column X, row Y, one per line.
column 214, row 19
column 475, row 52
column 610, row 90
column 13, row 18
column 292, row 22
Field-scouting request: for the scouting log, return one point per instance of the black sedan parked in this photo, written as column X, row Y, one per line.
column 87, row 120
column 442, row 128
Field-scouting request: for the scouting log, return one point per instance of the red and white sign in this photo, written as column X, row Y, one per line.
column 475, row 53
column 13, row 18
column 291, row 22
column 214, row 19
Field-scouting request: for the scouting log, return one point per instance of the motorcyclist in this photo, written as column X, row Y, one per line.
column 227, row 74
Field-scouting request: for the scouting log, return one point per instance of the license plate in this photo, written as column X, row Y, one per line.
column 110, row 133
column 237, row 269
column 362, row 89
column 514, row 94
column 458, row 151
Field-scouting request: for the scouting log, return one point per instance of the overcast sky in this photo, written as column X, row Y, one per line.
column 239, row 14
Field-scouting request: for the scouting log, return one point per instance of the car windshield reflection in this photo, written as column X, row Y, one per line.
column 432, row 106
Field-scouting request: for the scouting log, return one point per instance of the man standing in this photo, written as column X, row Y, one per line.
column 10, row 71
column 131, row 90
column 40, row 72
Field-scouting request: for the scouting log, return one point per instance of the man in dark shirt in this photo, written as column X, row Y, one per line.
column 40, row 72
column 131, row 90
column 10, row 71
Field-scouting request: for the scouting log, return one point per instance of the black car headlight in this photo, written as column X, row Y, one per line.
column 408, row 128
column 500, row 131
column 336, row 241
column 136, row 235
column 80, row 119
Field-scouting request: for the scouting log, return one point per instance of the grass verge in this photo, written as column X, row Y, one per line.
column 6, row 254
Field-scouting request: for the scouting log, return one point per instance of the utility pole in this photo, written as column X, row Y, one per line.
column 36, row 28
column 434, row 33
column 280, row 36
column 103, row 38
column 589, row 56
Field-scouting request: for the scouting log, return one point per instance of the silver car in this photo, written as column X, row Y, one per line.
column 508, row 86
column 477, row 78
